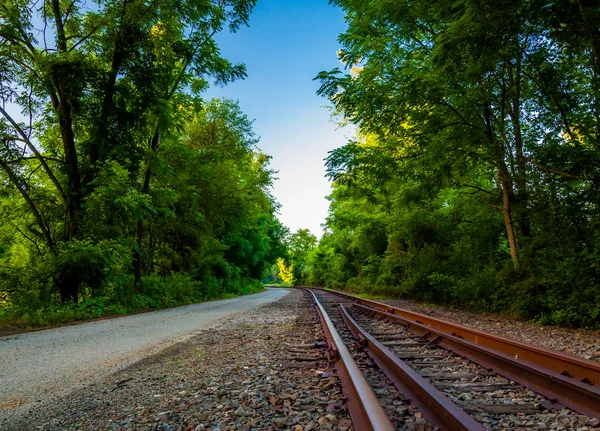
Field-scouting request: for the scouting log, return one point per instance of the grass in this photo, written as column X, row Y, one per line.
column 15, row 321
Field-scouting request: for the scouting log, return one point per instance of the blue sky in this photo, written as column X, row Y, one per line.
column 287, row 44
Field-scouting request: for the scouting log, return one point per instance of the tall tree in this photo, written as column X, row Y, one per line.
column 102, row 84
column 499, row 99
column 300, row 243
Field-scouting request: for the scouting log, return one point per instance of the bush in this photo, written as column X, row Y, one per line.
column 120, row 297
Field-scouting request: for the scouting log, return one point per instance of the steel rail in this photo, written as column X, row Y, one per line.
column 432, row 403
column 571, row 366
column 364, row 408
column 574, row 394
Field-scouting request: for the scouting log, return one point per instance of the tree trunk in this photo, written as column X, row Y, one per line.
column 514, row 76
column 68, row 281
column 137, row 256
column 72, row 165
column 107, row 102
column 594, row 35
column 63, row 108
column 506, row 186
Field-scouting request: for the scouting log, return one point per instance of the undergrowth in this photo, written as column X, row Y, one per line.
column 118, row 299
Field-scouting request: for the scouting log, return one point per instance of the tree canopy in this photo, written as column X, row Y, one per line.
column 120, row 184
column 475, row 176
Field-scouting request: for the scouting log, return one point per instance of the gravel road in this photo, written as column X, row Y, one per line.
column 243, row 374
column 40, row 365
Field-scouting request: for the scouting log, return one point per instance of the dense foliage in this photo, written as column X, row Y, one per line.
column 299, row 245
column 121, row 188
column 293, row 267
column 475, row 178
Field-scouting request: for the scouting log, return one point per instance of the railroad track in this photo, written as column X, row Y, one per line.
column 404, row 370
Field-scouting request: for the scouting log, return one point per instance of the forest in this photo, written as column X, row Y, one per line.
column 122, row 189
column 474, row 179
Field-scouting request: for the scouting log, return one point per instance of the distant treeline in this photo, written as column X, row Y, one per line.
column 475, row 177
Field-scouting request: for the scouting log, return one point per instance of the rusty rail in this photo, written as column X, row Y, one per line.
column 566, row 379
column 365, row 410
column 434, row 405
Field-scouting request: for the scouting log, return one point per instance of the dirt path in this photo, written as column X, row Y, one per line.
column 39, row 366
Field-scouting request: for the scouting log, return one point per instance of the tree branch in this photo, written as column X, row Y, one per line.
column 453, row 109
column 26, row 237
column 480, row 189
column 186, row 65
column 38, row 156
column 34, row 158
column 32, row 206
column 84, row 38
column 560, row 173
column 25, row 41
column 69, row 10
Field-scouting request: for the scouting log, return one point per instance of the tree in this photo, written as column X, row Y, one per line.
column 493, row 104
column 300, row 243
column 463, row 80
column 100, row 85
column 285, row 271
column 122, row 189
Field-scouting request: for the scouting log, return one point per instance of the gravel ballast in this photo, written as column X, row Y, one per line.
column 258, row 369
column 580, row 342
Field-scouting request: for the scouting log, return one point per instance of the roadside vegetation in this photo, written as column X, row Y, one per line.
column 474, row 179
column 122, row 189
